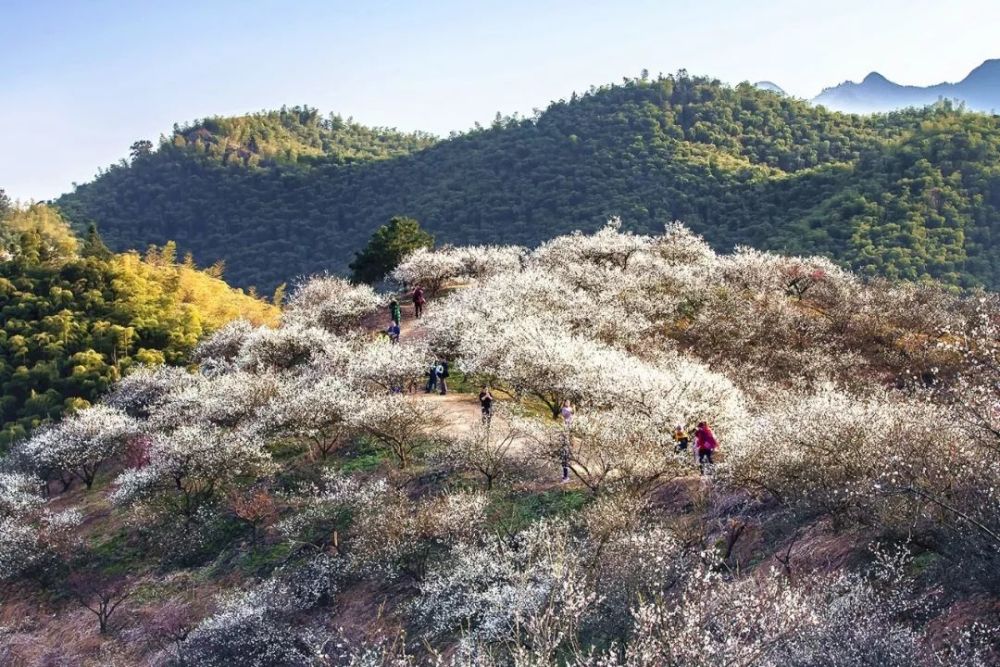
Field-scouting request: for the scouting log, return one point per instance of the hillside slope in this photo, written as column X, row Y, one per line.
column 910, row 194
column 74, row 316
column 295, row 498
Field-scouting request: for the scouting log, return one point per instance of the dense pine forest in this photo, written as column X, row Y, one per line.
column 75, row 317
column 909, row 195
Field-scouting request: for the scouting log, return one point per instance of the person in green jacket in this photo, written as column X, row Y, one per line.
column 394, row 311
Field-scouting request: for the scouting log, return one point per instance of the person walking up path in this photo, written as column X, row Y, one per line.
column 704, row 443
column 418, row 301
column 486, row 404
column 394, row 311
column 565, row 452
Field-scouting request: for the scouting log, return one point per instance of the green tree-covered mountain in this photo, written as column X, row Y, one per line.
column 275, row 195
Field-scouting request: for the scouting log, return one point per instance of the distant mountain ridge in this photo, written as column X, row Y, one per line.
column 979, row 91
column 283, row 194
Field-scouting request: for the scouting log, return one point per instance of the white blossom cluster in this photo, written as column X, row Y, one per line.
column 29, row 533
column 189, row 466
column 529, row 590
column 768, row 620
column 258, row 627
column 80, row 446
column 142, row 389
column 332, row 304
column 389, row 532
column 432, row 269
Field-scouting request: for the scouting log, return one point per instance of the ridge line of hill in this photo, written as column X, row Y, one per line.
column 289, row 193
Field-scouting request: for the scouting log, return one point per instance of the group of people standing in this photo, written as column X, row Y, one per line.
column 437, row 377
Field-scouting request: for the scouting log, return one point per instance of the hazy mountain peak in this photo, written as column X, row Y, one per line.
column 770, row 86
column 874, row 78
column 989, row 70
column 980, row 91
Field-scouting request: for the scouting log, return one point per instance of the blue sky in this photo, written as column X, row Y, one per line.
column 80, row 81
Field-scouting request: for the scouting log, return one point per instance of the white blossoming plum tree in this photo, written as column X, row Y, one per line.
column 489, row 448
column 81, row 445
column 189, row 468
column 397, row 423
column 316, row 410
column 30, row 535
column 332, row 304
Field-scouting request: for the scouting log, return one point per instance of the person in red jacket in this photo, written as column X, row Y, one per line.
column 418, row 301
column 704, row 444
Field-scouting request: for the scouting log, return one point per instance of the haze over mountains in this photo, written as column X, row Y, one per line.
column 979, row 91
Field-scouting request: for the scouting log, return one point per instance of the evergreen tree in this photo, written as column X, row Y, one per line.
column 93, row 245
column 141, row 149
column 387, row 247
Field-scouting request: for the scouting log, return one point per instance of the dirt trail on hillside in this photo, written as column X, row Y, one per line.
column 461, row 412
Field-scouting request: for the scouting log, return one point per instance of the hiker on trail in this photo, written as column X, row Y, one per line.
column 564, row 456
column 394, row 311
column 432, row 377
column 486, row 403
column 443, row 377
column 681, row 439
column 704, row 443
column 393, row 332
column 418, row 301
column 566, row 412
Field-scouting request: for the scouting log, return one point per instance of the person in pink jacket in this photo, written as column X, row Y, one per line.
column 704, row 444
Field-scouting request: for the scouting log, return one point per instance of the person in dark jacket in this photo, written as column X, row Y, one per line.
column 443, row 377
column 681, row 439
column 565, row 453
column 393, row 332
column 486, row 403
column 418, row 301
column 432, row 377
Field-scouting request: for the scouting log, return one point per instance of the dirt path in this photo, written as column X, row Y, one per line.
column 460, row 411
column 461, row 414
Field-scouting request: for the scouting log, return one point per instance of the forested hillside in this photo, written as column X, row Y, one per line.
column 75, row 316
column 908, row 194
